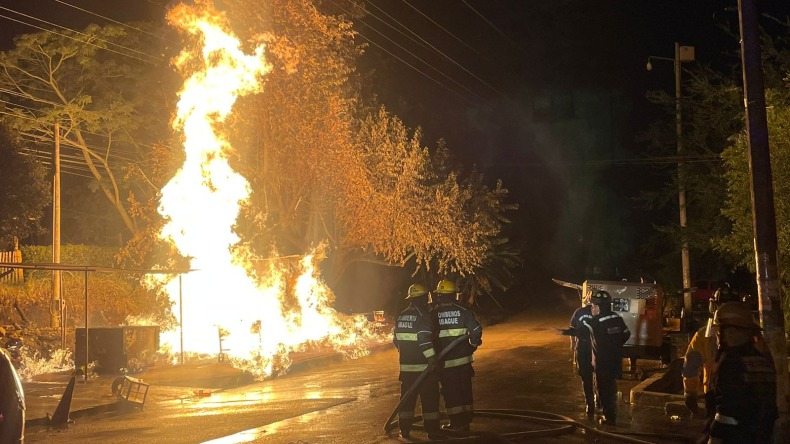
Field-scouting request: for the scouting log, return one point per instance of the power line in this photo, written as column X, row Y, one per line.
column 418, row 70
column 412, row 54
column 75, row 39
column 424, row 45
column 18, row 116
column 46, row 161
column 702, row 158
column 430, row 46
column 161, row 5
column 109, row 19
column 69, row 144
column 78, row 32
column 73, row 157
column 71, row 160
column 57, row 105
column 424, row 62
column 116, row 158
column 489, row 23
column 20, row 106
column 442, row 28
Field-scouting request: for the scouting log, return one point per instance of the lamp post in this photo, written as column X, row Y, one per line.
column 682, row 54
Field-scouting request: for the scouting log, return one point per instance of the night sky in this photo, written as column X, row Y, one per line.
column 542, row 94
column 555, row 94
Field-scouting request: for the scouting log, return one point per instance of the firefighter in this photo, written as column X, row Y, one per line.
column 582, row 353
column 413, row 336
column 452, row 321
column 608, row 334
column 742, row 392
column 701, row 353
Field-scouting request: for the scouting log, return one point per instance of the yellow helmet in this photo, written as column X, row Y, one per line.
column 417, row 290
column 446, row 286
column 735, row 314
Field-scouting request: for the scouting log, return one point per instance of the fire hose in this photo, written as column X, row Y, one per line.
column 561, row 424
column 389, row 425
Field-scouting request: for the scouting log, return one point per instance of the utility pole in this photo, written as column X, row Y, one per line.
column 54, row 309
column 763, row 214
column 684, row 245
column 682, row 54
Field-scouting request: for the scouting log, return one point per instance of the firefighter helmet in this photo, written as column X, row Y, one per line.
column 735, row 314
column 446, row 286
column 601, row 297
column 726, row 294
column 417, row 290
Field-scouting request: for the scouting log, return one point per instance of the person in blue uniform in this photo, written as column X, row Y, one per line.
column 453, row 320
column 608, row 334
column 414, row 334
column 582, row 354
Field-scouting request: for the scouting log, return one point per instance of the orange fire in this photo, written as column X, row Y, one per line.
column 201, row 203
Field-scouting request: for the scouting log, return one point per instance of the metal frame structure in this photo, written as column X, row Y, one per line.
column 97, row 269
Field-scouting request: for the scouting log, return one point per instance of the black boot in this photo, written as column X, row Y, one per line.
column 405, row 428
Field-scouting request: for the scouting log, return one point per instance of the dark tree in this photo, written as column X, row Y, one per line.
column 25, row 192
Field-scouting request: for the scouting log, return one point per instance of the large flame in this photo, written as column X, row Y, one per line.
column 201, row 204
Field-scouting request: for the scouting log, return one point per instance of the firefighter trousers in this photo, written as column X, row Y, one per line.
column 585, row 371
column 429, row 397
column 457, row 393
column 605, row 380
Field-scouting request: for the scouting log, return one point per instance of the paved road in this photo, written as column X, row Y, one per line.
column 523, row 364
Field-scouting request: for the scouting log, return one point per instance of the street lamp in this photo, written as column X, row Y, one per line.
column 682, row 54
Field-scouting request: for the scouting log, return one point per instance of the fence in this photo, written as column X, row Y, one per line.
column 12, row 275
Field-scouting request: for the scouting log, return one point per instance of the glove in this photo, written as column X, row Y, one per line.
column 568, row 332
column 690, row 400
column 431, row 364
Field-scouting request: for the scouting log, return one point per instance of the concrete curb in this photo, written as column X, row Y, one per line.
column 309, row 363
column 643, row 396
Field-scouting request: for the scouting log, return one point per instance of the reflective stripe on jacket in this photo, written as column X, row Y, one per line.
column 453, row 320
column 609, row 333
column 413, row 336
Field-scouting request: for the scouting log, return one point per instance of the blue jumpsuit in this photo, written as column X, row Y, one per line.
column 583, row 356
column 609, row 334
column 454, row 320
column 413, row 336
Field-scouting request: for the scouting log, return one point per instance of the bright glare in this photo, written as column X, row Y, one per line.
column 201, row 203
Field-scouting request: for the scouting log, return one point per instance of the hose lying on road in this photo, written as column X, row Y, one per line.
column 560, row 425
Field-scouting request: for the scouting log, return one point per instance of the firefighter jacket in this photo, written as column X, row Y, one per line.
column 413, row 336
column 577, row 322
column 700, row 357
column 743, row 396
column 609, row 333
column 453, row 320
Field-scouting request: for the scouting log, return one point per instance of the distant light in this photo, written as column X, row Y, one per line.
column 649, row 65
